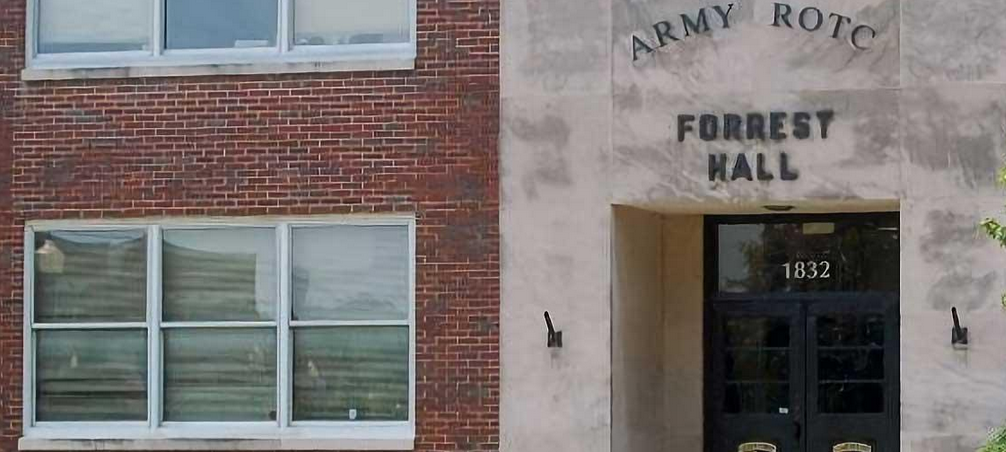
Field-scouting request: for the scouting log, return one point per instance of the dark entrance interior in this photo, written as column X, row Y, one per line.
column 802, row 333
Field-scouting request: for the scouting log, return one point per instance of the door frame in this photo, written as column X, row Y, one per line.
column 711, row 296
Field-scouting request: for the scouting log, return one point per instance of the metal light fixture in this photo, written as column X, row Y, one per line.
column 778, row 208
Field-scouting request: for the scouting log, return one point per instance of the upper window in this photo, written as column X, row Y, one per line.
column 115, row 34
column 258, row 330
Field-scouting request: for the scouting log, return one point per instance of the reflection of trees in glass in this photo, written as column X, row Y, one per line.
column 209, row 285
column 861, row 256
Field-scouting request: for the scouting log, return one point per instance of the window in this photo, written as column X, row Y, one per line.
column 251, row 330
column 201, row 35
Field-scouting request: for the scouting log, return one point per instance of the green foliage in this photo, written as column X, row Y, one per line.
column 997, row 231
column 996, row 442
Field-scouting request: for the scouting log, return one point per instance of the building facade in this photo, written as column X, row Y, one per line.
column 252, row 224
column 752, row 221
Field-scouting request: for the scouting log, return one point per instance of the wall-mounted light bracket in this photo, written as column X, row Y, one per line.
column 554, row 337
column 958, row 336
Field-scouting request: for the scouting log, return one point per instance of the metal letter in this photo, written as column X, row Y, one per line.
column 756, row 126
column 717, row 167
column 820, row 19
column 838, row 23
column 663, row 30
column 784, row 172
column 699, row 23
column 801, row 125
column 782, row 15
column 741, row 168
column 709, row 127
column 854, row 38
column 761, row 172
column 732, row 127
column 637, row 45
column 684, row 126
column 825, row 116
column 775, row 125
column 724, row 16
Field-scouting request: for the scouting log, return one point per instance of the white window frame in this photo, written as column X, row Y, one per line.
column 284, row 57
column 154, row 434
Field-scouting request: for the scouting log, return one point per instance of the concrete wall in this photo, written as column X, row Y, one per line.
column 683, row 332
column 920, row 127
column 638, row 367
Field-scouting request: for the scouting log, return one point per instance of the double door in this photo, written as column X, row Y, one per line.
column 802, row 373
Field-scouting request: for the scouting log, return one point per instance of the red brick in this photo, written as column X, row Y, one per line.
column 422, row 141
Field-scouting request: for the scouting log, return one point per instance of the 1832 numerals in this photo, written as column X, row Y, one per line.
column 808, row 270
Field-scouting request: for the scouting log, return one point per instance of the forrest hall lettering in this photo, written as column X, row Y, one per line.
column 775, row 126
column 810, row 19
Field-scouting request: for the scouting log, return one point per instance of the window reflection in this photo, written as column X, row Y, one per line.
column 813, row 256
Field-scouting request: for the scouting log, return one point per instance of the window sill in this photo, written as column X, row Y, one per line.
column 45, row 444
column 182, row 68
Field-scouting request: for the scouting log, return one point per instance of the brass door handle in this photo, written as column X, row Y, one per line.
column 757, row 447
column 852, row 447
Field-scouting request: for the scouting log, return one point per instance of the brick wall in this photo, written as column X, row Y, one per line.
column 11, row 60
column 422, row 141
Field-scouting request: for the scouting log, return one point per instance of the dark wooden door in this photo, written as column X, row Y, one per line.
column 815, row 374
column 756, row 389
column 853, row 375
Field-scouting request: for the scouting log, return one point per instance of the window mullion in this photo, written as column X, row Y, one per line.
column 154, row 360
column 285, row 25
column 158, row 27
column 285, row 378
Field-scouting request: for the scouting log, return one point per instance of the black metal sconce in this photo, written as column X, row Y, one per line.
column 959, row 336
column 554, row 337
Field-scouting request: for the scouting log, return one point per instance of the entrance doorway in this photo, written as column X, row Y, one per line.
column 802, row 334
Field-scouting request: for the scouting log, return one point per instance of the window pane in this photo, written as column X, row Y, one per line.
column 351, row 373
column 220, row 374
column 221, row 24
column 93, row 276
column 93, row 25
column 327, row 22
column 351, row 273
column 219, row 274
column 93, row 375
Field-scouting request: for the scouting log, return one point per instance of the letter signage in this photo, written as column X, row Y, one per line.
column 809, row 19
column 774, row 126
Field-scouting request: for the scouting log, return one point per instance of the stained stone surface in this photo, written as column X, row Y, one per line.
column 752, row 55
column 920, row 127
column 958, row 41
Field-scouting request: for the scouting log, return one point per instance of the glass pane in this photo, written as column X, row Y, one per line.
column 760, row 398
column 851, row 255
column 327, row 22
column 93, row 276
column 849, row 398
column 850, row 329
column 95, row 375
column 865, row 364
column 221, row 24
column 351, row 273
column 351, row 373
column 94, row 25
column 220, row 374
column 219, row 274
column 756, row 331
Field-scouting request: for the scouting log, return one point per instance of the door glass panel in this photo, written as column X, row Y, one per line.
column 850, row 398
column 756, row 365
column 850, row 329
column 811, row 256
column 850, row 363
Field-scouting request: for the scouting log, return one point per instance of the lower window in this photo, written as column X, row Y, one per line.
column 250, row 330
